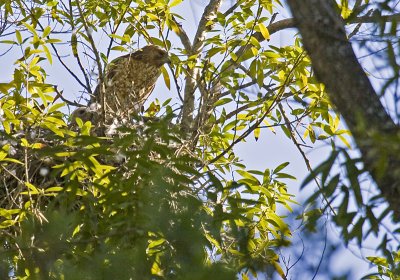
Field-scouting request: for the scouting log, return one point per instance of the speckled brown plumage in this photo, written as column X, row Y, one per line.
column 129, row 80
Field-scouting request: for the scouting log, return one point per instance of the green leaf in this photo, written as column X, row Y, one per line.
column 46, row 31
column 352, row 174
column 257, row 133
column 8, row 42
column 264, row 31
column 7, row 223
column 48, row 54
column 55, row 107
column 32, row 189
column 280, row 167
column 174, row 3
column 5, row 87
column 250, row 177
column 53, row 41
column 356, row 231
column 7, row 213
column 30, row 28
column 74, row 44
column 285, row 176
column 119, row 48
column 53, row 189
column 166, row 78
column 324, row 168
column 19, row 37
column 222, row 101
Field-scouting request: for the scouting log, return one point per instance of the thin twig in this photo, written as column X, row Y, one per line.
column 306, row 160
column 88, row 88
column 116, row 28
column 98, row 61
column 60, row 95
column 233, row 8
column 246, row 106
column 323, row 253
column 243, row 86
column 259, row 121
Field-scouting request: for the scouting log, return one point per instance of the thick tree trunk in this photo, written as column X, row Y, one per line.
column 350, row 91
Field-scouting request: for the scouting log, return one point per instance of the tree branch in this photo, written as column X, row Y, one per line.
column 289, row 23
column 349, row 89
column 209, row 14
column 375, row 18
column 183, row 36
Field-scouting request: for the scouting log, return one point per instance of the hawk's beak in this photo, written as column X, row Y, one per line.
column 168, row 60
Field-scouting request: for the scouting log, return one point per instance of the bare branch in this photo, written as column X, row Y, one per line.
column 183, row 36
column 60, row 95
column 91, row 41
column 209, row 14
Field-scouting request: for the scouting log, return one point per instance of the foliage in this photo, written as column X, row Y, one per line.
column 167, row 198
column 388, row 267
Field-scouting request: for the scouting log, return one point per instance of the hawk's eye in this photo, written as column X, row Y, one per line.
column 160, row 54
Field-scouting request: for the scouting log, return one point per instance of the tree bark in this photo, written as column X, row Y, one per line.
column 352, row 94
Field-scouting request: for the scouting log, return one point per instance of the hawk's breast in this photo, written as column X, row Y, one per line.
column 132, row 81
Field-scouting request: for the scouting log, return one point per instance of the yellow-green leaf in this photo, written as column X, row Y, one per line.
column 74, row 44
column 30, row 28
column 46, row 31
column 19, row 37
column 55, row 107
column 264, row 31
column 7, row 223
column 257, row 132
column 175, row 3
column 48, row 54
column 166, row 78
column 53, row 189
column 32, row 189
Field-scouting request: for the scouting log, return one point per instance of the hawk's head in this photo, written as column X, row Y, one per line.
column 152, row 54
column 87, row 113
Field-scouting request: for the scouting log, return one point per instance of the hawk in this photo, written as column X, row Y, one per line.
column 89, row 113
column 128, row 82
